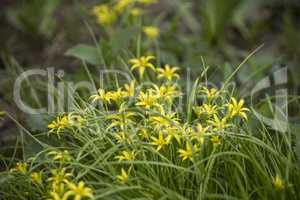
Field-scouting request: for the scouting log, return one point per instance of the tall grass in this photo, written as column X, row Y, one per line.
column 243, row 164
column 150, row 139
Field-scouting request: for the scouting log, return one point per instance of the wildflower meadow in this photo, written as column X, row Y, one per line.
column 158, row 104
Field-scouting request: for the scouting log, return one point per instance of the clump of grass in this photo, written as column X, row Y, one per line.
column 141, row 142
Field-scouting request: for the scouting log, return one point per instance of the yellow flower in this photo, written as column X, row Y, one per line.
column 144, row 134
column 101, row 95
column 76, row 120
column 151, row 32
column 209, row 109
column 37, row 177
column 236, row 108
column 188, row 152
column 126, row 155
column 59, row 175
column 278, row 183
column 173, row 132
column 21, row 167
column 160, row 121
column 201, row 130
column 200, row 133
column 105, row 15
column 164, row 120
column 159, row 142
column 168, row 72
column 147, row 100
column 79, row 191
column 121, row 5
column 124, row 177
column 210, row 93
column 56, row 196
column 122, row 137
column 61, row 156
column 121, row 119
column 167, row 92
column 129, row 89
column 136, row 12
column 58, row 179
column 142, row 63
column 116, row 96
column 219, row 124
column 58, row 125
column 205, row 109
column 188, row 130
column 215, row 139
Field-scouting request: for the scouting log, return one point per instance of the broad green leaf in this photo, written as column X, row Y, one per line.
column 86, row 53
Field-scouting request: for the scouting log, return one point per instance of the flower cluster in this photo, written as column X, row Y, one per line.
column 62, row 123
column 149, row 114
column 137, row 125
column 107, row 14
column 156, row 120
column 168, row 72
column 56, row 182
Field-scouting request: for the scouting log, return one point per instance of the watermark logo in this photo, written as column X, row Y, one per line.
column 61, row 94
column 279, row 122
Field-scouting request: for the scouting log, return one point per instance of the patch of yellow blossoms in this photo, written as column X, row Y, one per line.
column 152, row 32
column 149, row 114
column 107, row 14
column 57, row 182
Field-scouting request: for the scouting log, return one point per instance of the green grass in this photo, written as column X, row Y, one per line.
column 243, row 166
